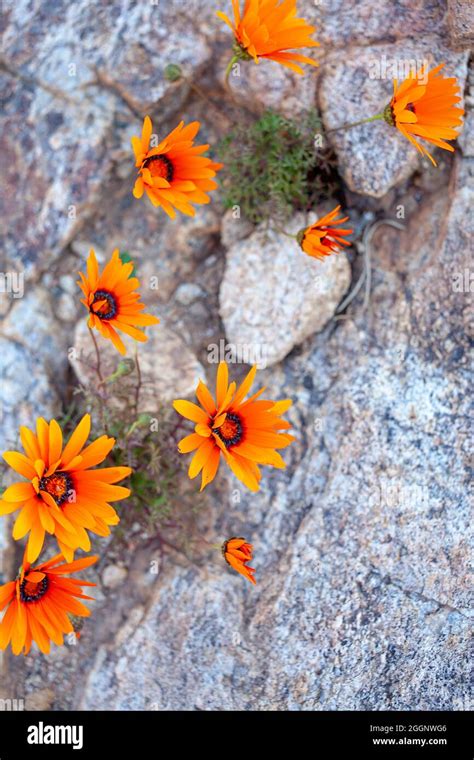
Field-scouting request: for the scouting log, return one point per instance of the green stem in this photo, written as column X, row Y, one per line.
column 282, row 232
column 132, row 428
column 233, row 60
column 227, row 86
column 356, row 123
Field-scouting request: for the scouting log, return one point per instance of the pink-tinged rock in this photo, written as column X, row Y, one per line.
column 461, row 23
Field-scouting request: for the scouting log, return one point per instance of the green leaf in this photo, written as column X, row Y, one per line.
column 125, row 258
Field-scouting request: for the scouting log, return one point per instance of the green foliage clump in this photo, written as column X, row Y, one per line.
column 146, row 442
column 275, row 166
column 154, row 477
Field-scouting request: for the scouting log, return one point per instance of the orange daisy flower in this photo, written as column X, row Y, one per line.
column 63, row 495
column 237, row 552
column 323, row 237
column 39, row 603
column 426, row 110
column 112, row 300
column 174, row 174
column 269, row 29
column 244, row 432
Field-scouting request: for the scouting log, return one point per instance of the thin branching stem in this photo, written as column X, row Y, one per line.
column 139, row 381
column 97, row 353
column 207, row 100
column 366, row 274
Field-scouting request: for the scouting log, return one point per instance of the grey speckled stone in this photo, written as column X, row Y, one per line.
column 273, row 296
column 80, row 79
column 466, row 138
column 234, row 228
column 269, row 85
column 341, row 23
column 34, row 363
column 187, row 293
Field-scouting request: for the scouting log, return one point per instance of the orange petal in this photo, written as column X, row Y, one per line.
column 42, row 431
column 77, row 440
column 35, row 541
column 7, row 507
column 189, row 443
column 204, row 397
column 222, row 382
column 30, row 444
column 7, row 593
column 73, row 567
column 190, row 411
column 146, row 133
column 21, row 464
column 55, row 441
column 18, row 492
column 200, row 458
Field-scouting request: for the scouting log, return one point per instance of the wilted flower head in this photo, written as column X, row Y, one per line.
column 237, row 552
column 324, row 236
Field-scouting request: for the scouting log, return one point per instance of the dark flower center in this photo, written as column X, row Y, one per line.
column 326, row 238
column 159, row 166
column 231, row 431
column 32, row 592
column 59, row 486
column 104, row 305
